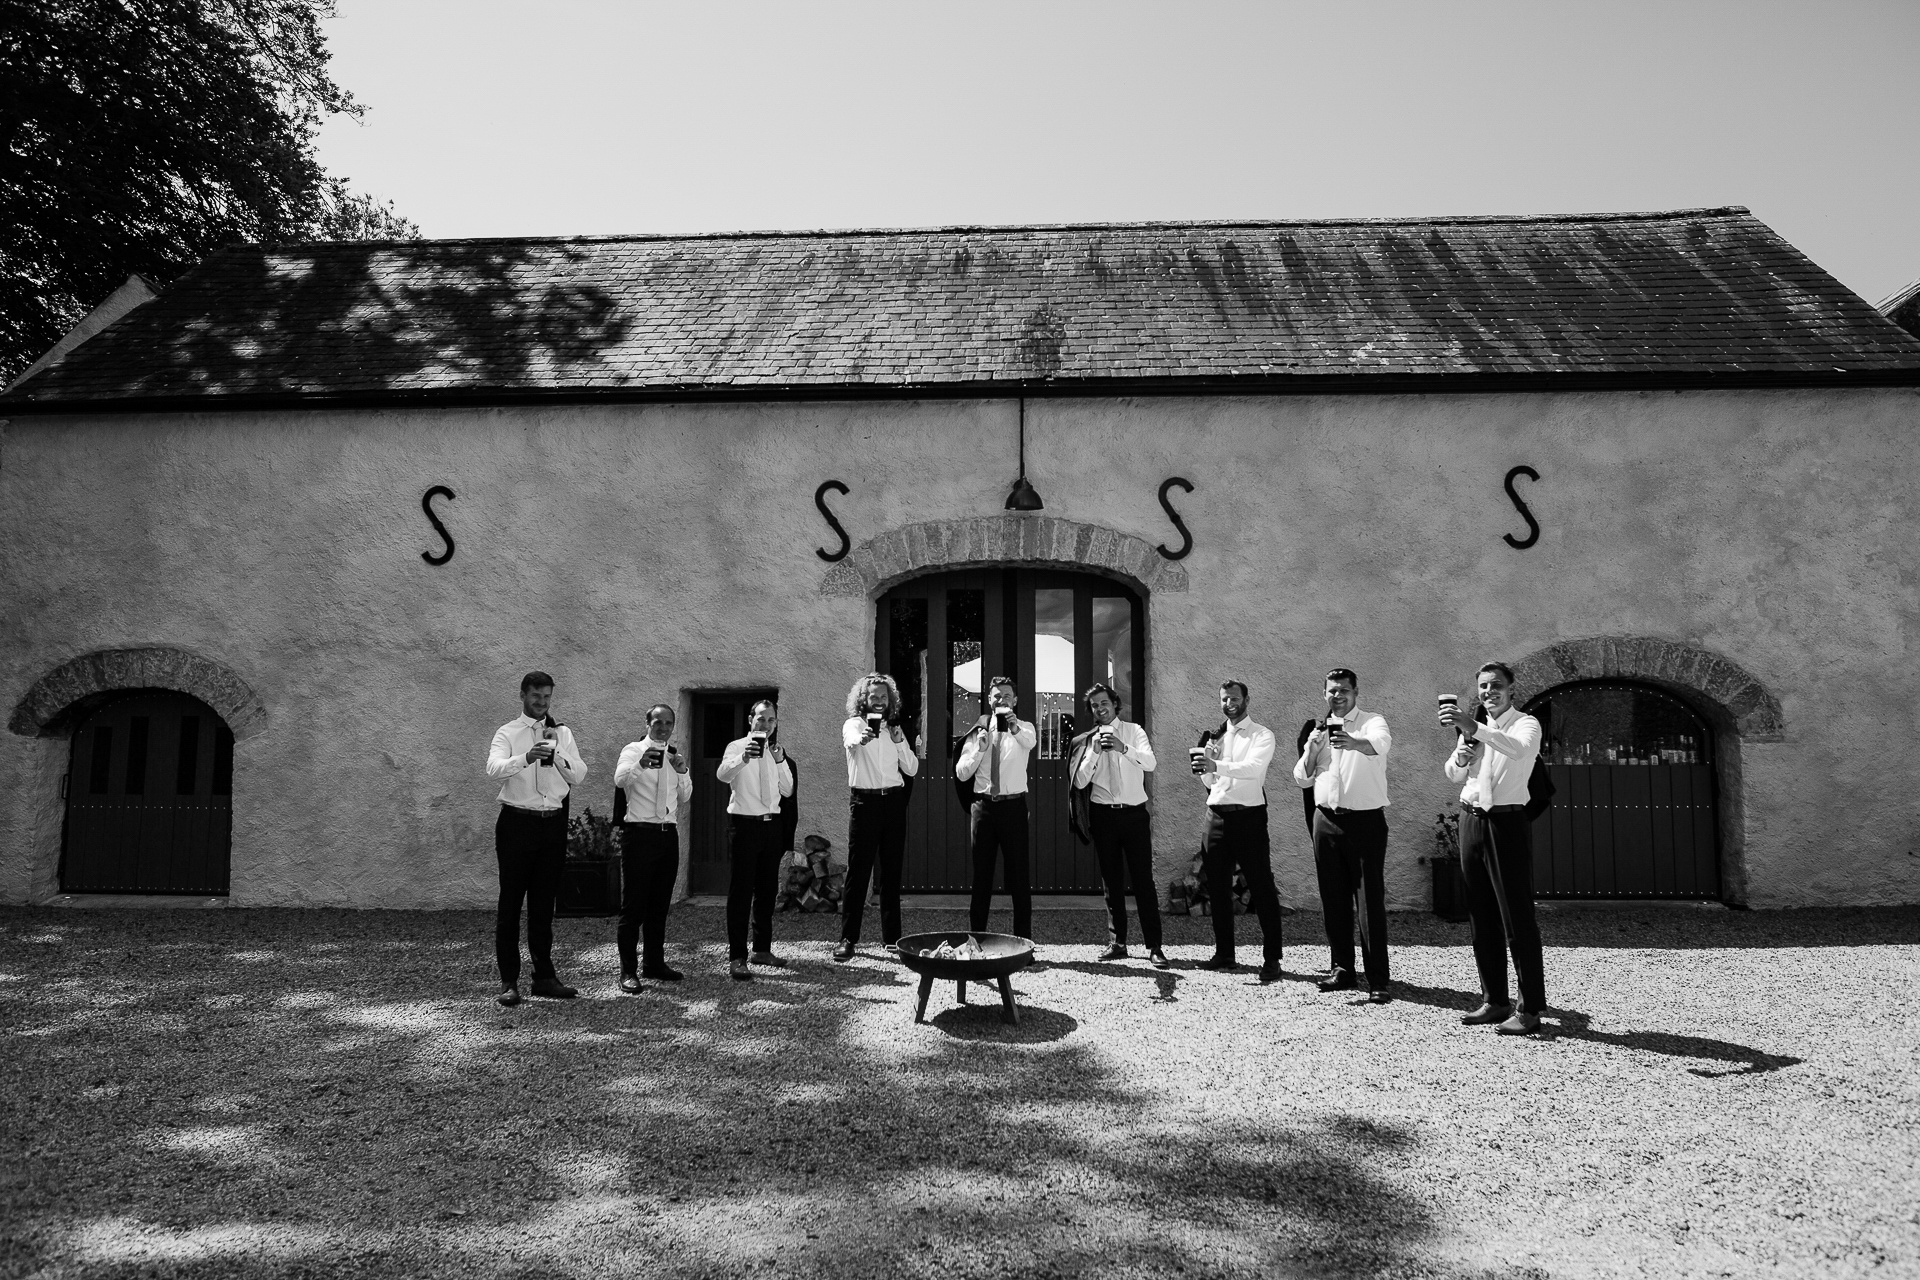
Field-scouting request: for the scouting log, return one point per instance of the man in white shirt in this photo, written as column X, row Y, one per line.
column 994, row 756
column 1232, row 764
column 1112, row 759
column 1344, row 762
column 534, row 758
column 1494, row 759
column 657, row 781
column 755, row 767
column 879, row 762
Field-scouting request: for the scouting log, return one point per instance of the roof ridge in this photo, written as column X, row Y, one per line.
column 847, row 233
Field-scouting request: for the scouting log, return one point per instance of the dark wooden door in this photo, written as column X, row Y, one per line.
column 1635, row 809
column 943, row 638
column 149, row 799
column 718, row 718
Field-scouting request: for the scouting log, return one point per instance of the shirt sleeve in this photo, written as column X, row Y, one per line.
column 1142, row 751
column 1255, row 765
column 1519, row 739
column 785, row 774
column 908, row 757
column 1303, row 774
column 683, row 786
column 566, row 758
column 502, row 760
column 1086, row 762
column 629, row 761
column 851, row 731
column 970, row 752
column 732, row 761
column 1379, row 735
column 1025, row 734
column 1457, row 772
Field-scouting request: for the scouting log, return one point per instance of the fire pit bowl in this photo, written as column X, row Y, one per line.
column 1004, row 956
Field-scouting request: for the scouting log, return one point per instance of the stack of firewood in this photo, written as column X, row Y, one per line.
column 1188, row 894
column 812, row 881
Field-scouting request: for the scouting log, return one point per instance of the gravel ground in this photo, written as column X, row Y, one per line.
column 285, row 1093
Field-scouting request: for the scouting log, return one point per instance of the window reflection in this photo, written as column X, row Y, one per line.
column 966, row 641
column 1053, row 692
column 908, row 645
column 1113, row 649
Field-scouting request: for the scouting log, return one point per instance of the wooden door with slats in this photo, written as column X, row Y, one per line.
column 149, row 799
column 718, row 718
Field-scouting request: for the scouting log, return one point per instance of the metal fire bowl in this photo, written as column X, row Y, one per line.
column 1005, row 954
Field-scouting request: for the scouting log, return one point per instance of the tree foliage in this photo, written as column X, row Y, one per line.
column 140, row 135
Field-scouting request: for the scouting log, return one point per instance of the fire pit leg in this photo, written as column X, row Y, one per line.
column 961, row 983
column 1006, row 1000
column 926, row 989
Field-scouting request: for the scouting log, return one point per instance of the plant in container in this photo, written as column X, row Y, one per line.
column 1449, row 889
column 590, row 880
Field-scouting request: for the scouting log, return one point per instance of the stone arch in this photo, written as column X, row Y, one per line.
column 937, row 545
column 65, row 693
column 1734, row 696
column 1732, row 699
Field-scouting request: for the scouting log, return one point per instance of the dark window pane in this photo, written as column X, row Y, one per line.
column 137, row 756
column 222, row 759
column 1053, row 669
column 718, row 730
column 1113, row 651
column 1619, row 724
column 187, row 773
column 966, row 647
column 907, row 660
column 102, row 760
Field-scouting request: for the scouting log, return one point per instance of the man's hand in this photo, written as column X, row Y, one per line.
column 653, row 758
column 674, row 759
column 899, row 734
column 539, row 752
column 779, row 754
column 867, row 733
column 1460, row 721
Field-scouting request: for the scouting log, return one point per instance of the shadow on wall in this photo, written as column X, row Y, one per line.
column 362, row 318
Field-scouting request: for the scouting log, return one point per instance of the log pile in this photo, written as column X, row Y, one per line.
column 1188, row 894
column 811, row 880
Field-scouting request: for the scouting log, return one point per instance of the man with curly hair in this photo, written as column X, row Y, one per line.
column 879, row 762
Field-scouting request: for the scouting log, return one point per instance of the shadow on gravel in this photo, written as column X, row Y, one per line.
column 287, row 1093
column 1744, row 1061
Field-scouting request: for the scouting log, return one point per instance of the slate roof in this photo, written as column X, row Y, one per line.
column 1694, row 297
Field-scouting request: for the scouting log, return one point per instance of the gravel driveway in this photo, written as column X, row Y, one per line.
column 285, row 1093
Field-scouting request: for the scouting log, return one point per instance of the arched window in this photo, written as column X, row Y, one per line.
column 1635, row 814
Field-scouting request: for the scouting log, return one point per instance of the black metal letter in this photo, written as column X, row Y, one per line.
column 1521, row 544
column 426, row 505
column 1186, row 538
column 820, row 501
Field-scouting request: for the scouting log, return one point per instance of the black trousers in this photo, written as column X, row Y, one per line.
column 1496, row 858
column 876, row 839
column 753, row 844
column 1123, row 841
column 649, row 865
column 1000, row 827
column 1350, row 855
column 531, row 849
column 1237, row 838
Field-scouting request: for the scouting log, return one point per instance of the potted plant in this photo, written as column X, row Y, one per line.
column 1449, row 889
column 590, row 880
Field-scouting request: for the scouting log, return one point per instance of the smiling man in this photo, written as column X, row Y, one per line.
column 1344, row 762
column 657, row 781
column 1232, row 765
column 755, row 767
column 1494, row 758
column 994, row 756
column 1112, row 760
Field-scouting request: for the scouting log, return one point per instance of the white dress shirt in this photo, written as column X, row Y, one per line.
column 876, row 765
column 1013, row 747
column 653, row 795
column 1117, row 777
column 1350, row 779
column 533, row 786
column 1502, row 768
column 757, row 784
column 1239, row 776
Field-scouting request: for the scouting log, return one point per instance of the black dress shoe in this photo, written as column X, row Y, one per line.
column 1158, row 959
column 844, row 951
column 553, row 989
column 766, row 959
column 1486, row 1015
column 1223, row 964
column 1270, row 971
column 662, row 973
column 738, row 971
column 509, row 996
column 1114, row 952
column 630, row 983
column 1520, row 1024
column 1339, row 980
column 1380, row 994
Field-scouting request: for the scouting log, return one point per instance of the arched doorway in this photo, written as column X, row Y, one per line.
column 149, row 794
column 1053, row 632
column 1634, row 815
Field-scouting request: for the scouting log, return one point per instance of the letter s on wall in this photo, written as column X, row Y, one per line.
column 820, row 501
column 426, row 505
column 1186, row 538
column 1521, row 544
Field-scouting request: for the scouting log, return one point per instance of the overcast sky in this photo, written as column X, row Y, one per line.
column 489, row 118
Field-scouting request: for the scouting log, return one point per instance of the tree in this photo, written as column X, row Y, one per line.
column 140, row 135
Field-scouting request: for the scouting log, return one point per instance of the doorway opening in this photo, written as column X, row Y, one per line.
column 943, row 638
column 719, row 717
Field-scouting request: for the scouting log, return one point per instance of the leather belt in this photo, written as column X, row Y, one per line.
column 1342, row 812
column 1233, row 808
column 530, row 813
column 754, row 817
column 875, row 791
column 1109, row 804
column 655, row 826
column 1017, row 795
column 1478, row 812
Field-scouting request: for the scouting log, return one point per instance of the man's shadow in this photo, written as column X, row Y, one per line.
column 1742, row 1060
column 1166, row 980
